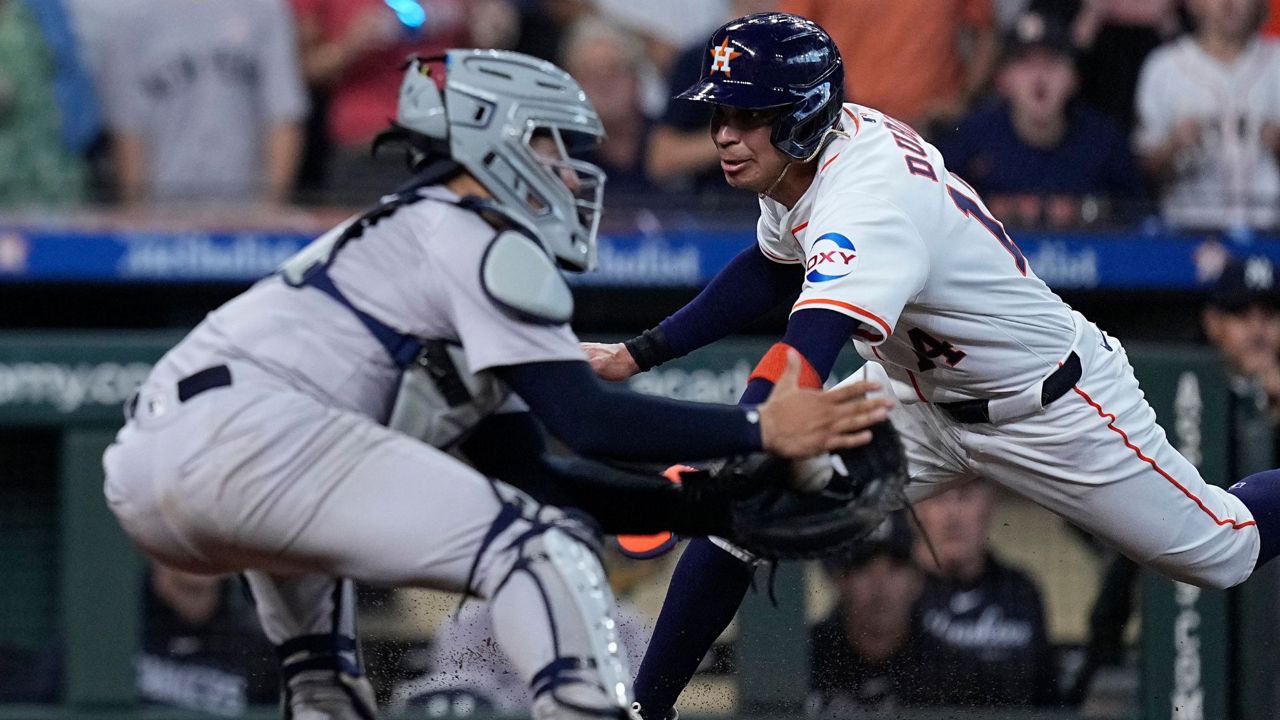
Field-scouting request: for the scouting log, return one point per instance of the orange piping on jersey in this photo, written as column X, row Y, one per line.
column 876, row 351
column 828, row 162
column 857, row 126
column 916, row 385
column 1111, row 424
column 884, row 326
column 777, row 258
column 799, row 227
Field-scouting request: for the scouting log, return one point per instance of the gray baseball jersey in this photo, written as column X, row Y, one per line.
column 417, row 271
column 202, row 83
column 281, row 464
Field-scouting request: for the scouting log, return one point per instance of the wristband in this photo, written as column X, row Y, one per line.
column 649, row 349
column 774, row 363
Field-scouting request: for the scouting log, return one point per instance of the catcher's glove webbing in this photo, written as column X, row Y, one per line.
column 774, row 521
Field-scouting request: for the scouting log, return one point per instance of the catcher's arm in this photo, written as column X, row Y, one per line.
column 510, row 447
column 747, row 500
column 611, row 422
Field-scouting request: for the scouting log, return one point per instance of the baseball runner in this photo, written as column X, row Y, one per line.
column 995, row 376
column 258, row 443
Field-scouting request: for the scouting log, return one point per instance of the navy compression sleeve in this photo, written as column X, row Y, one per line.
column 510, row 447
column 706, row 589
column 748, row 287
column 612, row 422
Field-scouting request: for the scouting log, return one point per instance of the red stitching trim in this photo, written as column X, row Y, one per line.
column 1137, row 451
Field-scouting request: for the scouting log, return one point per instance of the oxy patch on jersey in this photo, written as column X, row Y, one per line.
column 832, row 257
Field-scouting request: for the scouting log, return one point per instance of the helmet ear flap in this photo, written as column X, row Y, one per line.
column 421, row 125
column 421, row 106
column 801, row 132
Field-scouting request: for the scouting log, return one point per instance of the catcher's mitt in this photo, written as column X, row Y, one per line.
column 776, row 522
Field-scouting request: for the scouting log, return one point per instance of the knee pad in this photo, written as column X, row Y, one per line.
column 555, row 552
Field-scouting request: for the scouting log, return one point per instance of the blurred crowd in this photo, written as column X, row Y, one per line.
column 1061, row 112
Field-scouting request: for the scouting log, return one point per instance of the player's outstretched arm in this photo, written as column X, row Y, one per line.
column 612, row 422
column 748, row 287
column 510, row 447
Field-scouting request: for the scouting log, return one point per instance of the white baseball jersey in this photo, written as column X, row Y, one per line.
column 947, row 302
column 1229, row 178
column 949, row 309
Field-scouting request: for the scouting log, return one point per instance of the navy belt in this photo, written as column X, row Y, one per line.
column 1054, row 387
column 191, row 386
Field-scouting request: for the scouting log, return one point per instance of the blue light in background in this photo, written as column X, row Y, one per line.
column 411, row 13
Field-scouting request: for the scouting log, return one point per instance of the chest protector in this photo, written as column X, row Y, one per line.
column 440, row 400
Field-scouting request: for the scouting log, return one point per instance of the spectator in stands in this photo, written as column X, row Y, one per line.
column 1242, row 320
column 1209, row 120
column 604, row 58
column 203, row 100
column 1037, row 151
column 665, row 26
column 1113, row 38
column 48, row 112
column 1007, row 13
column 353, row 52
column 680, row 158
column 199, row 650
column 908, row 58
column 544, row 23
column 979, row 607
column 870, row 653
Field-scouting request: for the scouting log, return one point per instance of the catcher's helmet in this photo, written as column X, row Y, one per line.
column 494, row 104
column 775, row 59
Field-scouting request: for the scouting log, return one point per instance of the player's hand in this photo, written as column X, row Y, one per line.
column 611, row 361
column 798, row 422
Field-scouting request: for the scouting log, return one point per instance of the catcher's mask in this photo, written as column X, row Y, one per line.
column 514, row 123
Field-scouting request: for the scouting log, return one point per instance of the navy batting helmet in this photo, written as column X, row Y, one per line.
column 776, row 60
